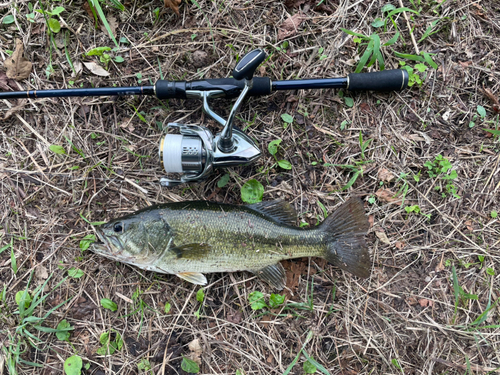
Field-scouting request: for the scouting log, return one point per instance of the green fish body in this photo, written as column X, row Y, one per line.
column 189, row 239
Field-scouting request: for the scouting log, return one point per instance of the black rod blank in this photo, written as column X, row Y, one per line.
column 59, row 93
column 386, row 80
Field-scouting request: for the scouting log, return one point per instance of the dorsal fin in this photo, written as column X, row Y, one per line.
column 278, row 210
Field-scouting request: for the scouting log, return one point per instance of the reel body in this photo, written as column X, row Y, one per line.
column 194, row 153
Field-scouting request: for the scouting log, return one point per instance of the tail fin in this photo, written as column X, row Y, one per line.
column 346, row 229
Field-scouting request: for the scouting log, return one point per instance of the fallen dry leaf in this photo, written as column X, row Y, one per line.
column 425, row 302
column 387, row 196
column 371, row 220
column 15, row 109
column 412, row 301
column 86, row 6
column 234, row 317
column 78, row 66
column 469, row 226
column 293, row 272
column 289, row 27
column 96, row 69
column 173, row 4
column 196, row 350
column 113, row 25
column 399, row 245
column 440, row 266
column 18, row 67
column 493, row 98
column 385, row 175
column 7, row 84
column 382, row 237
column 365, row 107
column 41, row 272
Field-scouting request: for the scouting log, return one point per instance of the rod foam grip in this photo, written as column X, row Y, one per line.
column 172, row 153
column 386, row 80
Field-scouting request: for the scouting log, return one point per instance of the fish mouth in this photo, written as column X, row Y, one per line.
column 112, row 248
column 109, row 246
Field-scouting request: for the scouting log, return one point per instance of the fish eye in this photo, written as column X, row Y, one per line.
column 118, row 227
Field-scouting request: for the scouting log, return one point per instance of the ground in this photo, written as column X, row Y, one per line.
column 420, row 159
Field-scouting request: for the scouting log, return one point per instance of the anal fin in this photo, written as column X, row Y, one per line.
column 274, row 275
column 193, row 277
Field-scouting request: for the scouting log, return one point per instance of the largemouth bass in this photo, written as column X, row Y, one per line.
column 189, row 239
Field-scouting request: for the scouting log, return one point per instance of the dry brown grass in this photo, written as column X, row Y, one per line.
column 404, row 312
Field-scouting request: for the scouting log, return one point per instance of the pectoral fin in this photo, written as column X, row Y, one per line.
column 193, row 277
column 274, row 275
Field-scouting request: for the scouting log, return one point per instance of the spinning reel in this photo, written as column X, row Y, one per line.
column 195, row 152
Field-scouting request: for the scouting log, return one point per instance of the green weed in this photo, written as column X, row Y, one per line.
column 416, row 210
column 189, row 366
column 363, row 144
column 73, row 365
column 439, row 168
column 27, row 323
column 287, row 120
column 111, row 341
column 273, row 150
column 372, row 52
column 460, row 294
column 53, row 24
column 481, row 112
column 252, row 191
column 200, row 297
column 257, row 301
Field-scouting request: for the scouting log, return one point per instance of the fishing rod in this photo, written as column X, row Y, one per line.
column 195, row 152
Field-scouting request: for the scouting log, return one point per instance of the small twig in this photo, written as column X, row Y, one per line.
column 409, row 29
column 475, row 368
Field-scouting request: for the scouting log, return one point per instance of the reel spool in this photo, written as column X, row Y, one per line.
column 195, row 152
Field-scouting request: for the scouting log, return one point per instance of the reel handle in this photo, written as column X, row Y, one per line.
column 386, row 80
column 248, row 64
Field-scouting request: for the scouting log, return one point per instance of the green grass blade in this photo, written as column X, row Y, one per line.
column 409, row 57
column 354, row 34
column 352, row 180
column 428, row 32
column 289, row 368
column 481, row 318
column 315, row 363
column 456, row 287
column 401, row 10
column 377, row 55
column 68, row 58
column 91, row 6
column 429, row 60
column 365, row 57
column 118, row 5
column 98, row 8
column 493, row 131
column 393, row 40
